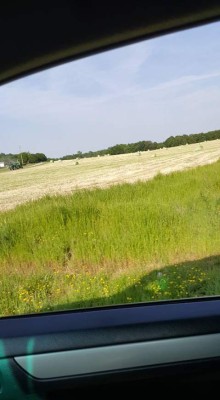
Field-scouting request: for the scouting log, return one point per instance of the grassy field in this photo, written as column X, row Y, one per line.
column 130, row 242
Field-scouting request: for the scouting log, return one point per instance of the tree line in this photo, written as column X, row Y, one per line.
column 24, row 158
column 146, row 145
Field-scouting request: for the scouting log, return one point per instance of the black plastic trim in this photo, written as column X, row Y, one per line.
column 40, row 35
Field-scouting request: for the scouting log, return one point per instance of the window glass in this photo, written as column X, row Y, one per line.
column 110, row 178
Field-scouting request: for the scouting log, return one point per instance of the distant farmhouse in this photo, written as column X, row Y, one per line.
column 2, row 164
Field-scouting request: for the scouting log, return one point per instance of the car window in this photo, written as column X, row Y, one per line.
column 110, row 178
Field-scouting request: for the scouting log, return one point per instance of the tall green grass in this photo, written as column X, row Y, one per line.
column 117, row 235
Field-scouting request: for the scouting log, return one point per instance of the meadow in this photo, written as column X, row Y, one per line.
column 144, row 238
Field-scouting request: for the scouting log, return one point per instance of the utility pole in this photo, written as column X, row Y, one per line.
column 21, row 156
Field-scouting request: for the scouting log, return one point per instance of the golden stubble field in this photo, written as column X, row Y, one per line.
column 63, row 177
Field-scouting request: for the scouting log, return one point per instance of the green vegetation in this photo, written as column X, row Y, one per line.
column 28, row 158
column 132, row 242
column 22, row 158
column 144, row 145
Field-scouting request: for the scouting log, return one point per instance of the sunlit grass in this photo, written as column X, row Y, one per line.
column 127, row 243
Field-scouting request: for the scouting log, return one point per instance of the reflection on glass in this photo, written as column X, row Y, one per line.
column 110, row 178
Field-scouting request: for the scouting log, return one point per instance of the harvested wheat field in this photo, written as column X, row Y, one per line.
column 62, row 177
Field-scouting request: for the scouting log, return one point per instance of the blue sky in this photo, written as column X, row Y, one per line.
column 146, row 91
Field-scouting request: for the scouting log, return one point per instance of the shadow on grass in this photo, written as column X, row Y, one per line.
column 185, row 280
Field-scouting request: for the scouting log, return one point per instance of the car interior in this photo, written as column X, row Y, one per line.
column 160, row 345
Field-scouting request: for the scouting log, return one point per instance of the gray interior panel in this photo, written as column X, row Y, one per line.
column 112, row 358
